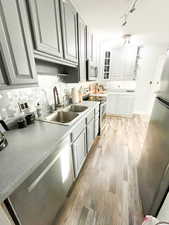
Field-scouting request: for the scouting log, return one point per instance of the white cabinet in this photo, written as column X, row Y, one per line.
column 116, row 64
column 129, row 62
column 120, row 104
column 111, row 104
column 122, row 63
column 125, row 104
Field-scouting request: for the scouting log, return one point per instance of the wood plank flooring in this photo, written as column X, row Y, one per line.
column 106, row 192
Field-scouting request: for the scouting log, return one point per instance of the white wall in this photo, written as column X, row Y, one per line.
column 149, row 70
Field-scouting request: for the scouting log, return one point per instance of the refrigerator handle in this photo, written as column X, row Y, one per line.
column 166, row 172
column 162, row 222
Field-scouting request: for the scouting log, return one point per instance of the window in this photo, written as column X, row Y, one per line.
column 107, row 65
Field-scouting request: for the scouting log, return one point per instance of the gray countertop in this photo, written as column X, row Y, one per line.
column 28, row 148
column 114, row 92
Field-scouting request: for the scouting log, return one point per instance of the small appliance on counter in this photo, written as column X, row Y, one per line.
column 75, row 95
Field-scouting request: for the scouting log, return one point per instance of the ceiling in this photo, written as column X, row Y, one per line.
column 148, row 24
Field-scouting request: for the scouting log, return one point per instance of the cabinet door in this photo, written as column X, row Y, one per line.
column 90, row 134
column 125, row 105
column 79, row 152
column 117, row 61
column 45, row 17
column 96, row 127
column 130, row 54
column 90, row 52
column 82, row 49
column 39, row 198
column 15, row 43
column 112, row 101
column 69, row 26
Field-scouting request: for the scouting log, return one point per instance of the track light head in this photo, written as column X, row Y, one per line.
column 124, row 23
column 132, row 9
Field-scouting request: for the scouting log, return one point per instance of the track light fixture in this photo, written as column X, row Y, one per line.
column 132, row 8
column 124, row 20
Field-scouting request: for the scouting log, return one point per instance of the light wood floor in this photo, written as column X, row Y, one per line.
column 106, row 192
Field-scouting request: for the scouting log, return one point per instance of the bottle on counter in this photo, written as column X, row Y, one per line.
column 38, row 110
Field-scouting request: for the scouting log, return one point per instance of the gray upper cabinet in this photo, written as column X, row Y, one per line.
column 90, row 51
column 15, row 43
column 69, row 26
column 82, row 49
column 45, row 19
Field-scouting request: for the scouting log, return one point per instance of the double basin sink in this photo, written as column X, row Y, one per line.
column 67, row 115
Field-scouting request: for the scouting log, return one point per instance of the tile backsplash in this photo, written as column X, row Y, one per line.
column 43, row 94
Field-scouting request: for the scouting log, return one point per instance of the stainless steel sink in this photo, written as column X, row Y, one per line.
column 62, row 117
column 76, row 108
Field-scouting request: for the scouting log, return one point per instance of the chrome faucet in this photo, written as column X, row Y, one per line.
column 56, row 95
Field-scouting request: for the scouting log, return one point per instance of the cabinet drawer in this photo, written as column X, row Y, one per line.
column 90, row 116
column 78, row 129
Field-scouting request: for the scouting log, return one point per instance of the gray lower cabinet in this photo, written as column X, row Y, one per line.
column 69, row 27
column 90, row 134
column 82, row 49
column 97, row 121
column 38, row 199
column 45, row 19
column 79, row 151
column 15, row 43
column 96, row 127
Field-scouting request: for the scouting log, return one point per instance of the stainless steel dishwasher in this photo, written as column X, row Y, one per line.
column 38, row 199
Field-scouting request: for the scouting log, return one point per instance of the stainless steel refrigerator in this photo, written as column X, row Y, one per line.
column 153, row 167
